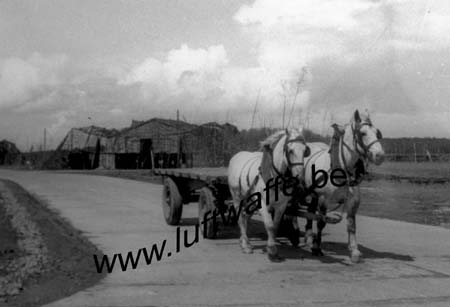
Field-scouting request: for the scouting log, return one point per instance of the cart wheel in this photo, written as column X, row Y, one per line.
column 205, row 204
column 171, row 202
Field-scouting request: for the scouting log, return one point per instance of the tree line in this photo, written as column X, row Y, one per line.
column 405, row 148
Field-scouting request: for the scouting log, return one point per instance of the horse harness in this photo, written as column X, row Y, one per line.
column 357, row 140
column 263, row 173
column 267, row 174
column 353, row 178
column 360, row 167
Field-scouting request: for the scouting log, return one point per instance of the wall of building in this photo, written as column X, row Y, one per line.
column 174, row 144
column 165, row 137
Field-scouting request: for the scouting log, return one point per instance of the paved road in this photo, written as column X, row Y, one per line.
column 405, row 264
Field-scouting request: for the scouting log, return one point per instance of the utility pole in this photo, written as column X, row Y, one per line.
column 283, row 85
column 308, row 113
column 254, row 110
column 297, row 91
column 415, row 155
column 45, row 138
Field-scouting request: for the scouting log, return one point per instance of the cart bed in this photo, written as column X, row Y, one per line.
column 209, row 175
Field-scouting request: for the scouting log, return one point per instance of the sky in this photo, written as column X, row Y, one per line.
column 75, row 63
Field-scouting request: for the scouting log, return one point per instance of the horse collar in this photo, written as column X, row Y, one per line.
column 351, row 175
column 285, row 153
column 270, row 153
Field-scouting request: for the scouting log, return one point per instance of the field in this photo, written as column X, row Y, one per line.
column 411, row 202
column 435, row 170
column 412, row 192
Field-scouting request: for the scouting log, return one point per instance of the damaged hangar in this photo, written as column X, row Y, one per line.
column 155, row 143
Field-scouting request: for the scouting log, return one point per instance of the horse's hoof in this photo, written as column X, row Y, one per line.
column 272, row 253
column 302, row 241
column 247, row 249
column 309, row 239
column 355, row 256
column 295, row 241
column 275, row 258
column 316, row 252
column 294, row 238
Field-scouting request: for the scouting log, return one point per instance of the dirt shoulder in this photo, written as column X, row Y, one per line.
column 42, row 257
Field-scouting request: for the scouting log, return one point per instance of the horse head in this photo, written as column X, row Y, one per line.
column 289, row 149
column 367, row 138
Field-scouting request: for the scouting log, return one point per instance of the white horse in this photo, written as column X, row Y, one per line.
column 282, row 157
column 358, row 142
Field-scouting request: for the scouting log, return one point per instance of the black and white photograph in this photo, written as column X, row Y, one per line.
column 225, row 153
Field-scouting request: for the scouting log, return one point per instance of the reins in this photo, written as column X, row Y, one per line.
column 357, row 140
column 273, row 167
column 290, row 164
column 357, row 143
column 286, row 154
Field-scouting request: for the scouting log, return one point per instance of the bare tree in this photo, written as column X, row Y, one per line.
column 256, row 106
column 298, row 86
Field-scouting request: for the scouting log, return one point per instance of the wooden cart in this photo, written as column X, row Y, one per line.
column 210, row 187
column 184, row 185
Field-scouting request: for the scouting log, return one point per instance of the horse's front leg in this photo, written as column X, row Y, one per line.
column 312, row 208
column 246, row 246
column 309, row 235
column 294, row 234
column 317, row 242
column 278, row 215
column 352, row 208
column 243, row 218
column 271, row 228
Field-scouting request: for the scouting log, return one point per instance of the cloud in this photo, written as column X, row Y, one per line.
column 418, row 25
column 340, row 26
column 366, row 54
column 18, row 79
column 24, row 79
column 205, row 79
column 184, row 70
column 294, row 32
column 309, row 13
column 388, row 56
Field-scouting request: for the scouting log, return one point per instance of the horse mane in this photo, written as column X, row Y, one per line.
column 365, row 118
column 271, row 140
column 368, row 120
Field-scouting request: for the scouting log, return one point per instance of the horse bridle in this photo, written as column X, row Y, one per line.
column 286, row 154
column 286, row 151
column 357, row 139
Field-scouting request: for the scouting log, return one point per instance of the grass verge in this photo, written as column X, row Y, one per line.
column 68, row 267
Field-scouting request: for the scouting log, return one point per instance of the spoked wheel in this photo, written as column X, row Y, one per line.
column 206, row 201
column 171, row 202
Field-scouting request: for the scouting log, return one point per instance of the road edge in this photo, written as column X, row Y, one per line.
column 69, row 266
